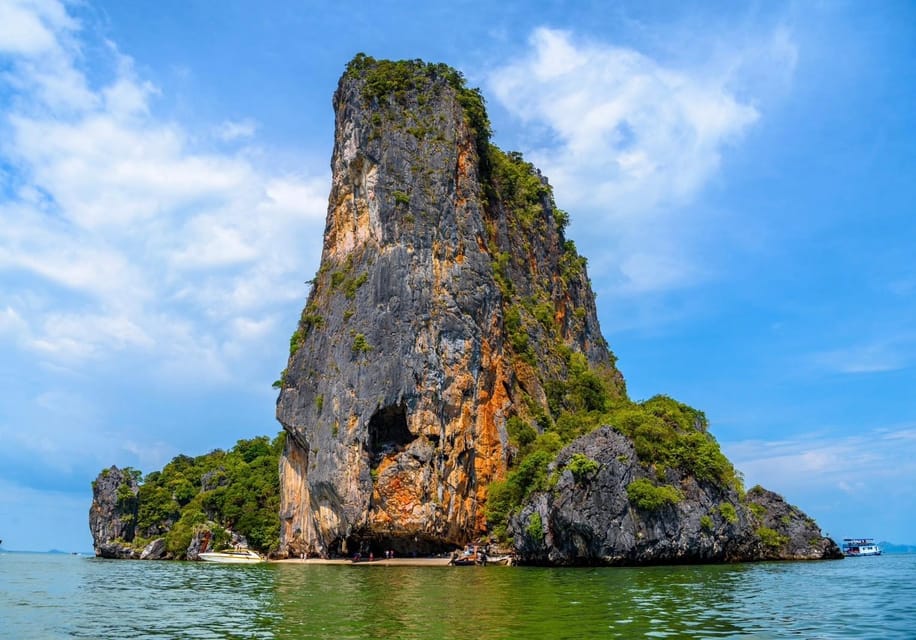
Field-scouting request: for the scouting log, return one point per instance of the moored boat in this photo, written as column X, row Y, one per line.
column 476, row 555
column 231, row 556
column 855, row 547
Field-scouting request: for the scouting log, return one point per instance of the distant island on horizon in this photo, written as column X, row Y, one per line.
column 892, row 548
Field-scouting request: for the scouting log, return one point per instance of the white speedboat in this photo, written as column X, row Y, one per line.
column 231, row 556
column 855, row 547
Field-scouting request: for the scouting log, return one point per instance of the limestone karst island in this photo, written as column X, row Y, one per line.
column 448, row 382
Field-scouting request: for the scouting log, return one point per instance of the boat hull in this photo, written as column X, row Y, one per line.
column 230, row 557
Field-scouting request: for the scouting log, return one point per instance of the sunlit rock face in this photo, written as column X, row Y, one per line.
column 449, row 309
column 402, row 371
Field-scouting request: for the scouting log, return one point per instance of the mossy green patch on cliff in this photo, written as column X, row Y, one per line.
column 535, row 528
column 758, row 510
column 581, row 466
column 520, row 187
column 396, row 80
column 352, row 284
column 771, row 538
column 728, row 511
column 360, row 344
column 308, row 320
column 505, row 496
column 668, row 433
column 650, row 497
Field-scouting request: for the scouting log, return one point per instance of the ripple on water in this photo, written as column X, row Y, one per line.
column 45, row 596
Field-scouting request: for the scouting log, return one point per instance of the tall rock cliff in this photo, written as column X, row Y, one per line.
column 448, row 378
column 113, row 514
column 446, row 301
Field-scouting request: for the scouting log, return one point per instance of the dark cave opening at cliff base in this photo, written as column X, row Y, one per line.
column 404, row 545
column 388, row 432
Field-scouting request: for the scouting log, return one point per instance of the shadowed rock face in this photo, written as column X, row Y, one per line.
column 590, row 519
column 401, row 377
column 113, row 513
column 787, row 533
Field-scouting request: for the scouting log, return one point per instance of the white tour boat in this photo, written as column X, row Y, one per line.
column 855, row 547
column 231, row 556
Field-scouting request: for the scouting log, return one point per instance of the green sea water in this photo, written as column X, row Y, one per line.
column 61, row 596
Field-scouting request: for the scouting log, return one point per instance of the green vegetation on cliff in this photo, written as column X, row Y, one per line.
column 650, row 497
column 222, row 491
column 565, row 382
column 667, row 435
column 546, row 297
column 581, row 396
column 392, row 81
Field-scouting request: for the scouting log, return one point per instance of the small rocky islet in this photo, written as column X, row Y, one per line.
column 448, row 382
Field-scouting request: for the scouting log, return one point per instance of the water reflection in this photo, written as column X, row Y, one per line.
column 411, row 602
column 44, row 596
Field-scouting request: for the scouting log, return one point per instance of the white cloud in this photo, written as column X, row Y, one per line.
column 103, row 171
column 236, row 130
column 211, row 243
column 251, row 328
column 632, row 141
column 68, row 434
column 874, row 357
column 165, row 248
column 76, row 336
column 632, row 134
column 646, row 272
column 11, row 323
column 26, row 27
column 876, row 458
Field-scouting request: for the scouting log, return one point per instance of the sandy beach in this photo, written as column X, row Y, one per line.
column 394, row 562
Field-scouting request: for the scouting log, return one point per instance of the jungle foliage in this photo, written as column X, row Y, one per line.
column 236, row 490
column 666, row 434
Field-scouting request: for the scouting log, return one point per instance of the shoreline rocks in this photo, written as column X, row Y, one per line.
column 590, row 520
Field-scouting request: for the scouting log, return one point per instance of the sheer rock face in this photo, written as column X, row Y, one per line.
column 401, row 377
column 447, row 302
column 113, row 513
column 590, row 519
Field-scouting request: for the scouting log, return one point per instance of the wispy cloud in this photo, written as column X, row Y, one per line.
column 876, row 459
column 887, row 354
column 71, row 435
column 628, row 141
column 123, row 232
column 232, row 130
column 26, row 28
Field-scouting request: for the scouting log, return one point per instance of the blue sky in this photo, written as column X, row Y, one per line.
column 739, row 175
